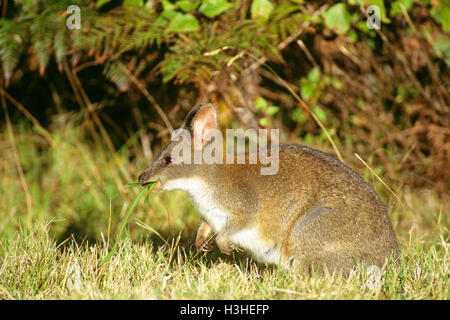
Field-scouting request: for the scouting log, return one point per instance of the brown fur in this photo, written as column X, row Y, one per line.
column 315, row 211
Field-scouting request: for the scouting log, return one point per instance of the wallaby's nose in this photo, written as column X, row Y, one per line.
column 143, row 177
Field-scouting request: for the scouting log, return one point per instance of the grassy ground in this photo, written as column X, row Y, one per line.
column 62, row 201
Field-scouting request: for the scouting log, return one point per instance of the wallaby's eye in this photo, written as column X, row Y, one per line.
column 168, row 160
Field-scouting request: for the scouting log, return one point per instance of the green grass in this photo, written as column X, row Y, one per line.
column 34, row 267
column 52, row 247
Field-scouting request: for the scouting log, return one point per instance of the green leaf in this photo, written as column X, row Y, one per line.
column 261, row 9
column 101, row 2
column 167, row 5
column 396, row 9
column 128, row 3
column 149, row 6
column 264, row 122
column 170, row 70
column 183, row 23
column 307, row 89
column 188, row 6
column 352, row 35
column 168, row 14
column 11, row 45
column 272, row 110
column 442, row 47
column 314, row 75
column 297, row 115
column 441, row 13
column 140, row 184
column 59, row 47
column 260, row 103
column 133, row 185
column 320, row 114
column 380, row 4
column 336, row 83
column 212, row 8
column 400, row 96
column 115, row 73
column 337, row 18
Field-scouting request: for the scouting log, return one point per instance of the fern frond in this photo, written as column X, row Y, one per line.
column 11, row 45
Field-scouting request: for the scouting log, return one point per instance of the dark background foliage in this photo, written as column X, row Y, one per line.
column 138, row 66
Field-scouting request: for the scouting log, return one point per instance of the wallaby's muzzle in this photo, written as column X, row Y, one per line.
column 147, row 176
column 144, row 177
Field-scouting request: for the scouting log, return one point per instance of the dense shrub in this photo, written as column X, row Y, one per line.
column 380, row 93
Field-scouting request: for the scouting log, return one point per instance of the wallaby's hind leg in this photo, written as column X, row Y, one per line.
column 307, row 264
column 224, row 244
column 326, row 239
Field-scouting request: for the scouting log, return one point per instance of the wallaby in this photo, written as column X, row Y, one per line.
column 315, row 212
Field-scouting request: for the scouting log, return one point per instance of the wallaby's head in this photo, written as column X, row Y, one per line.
column 172, row 163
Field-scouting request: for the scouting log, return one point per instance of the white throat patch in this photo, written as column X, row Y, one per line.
column 203, row 199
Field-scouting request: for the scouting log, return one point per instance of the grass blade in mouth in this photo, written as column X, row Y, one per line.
column 140, row 184
column 152, row 184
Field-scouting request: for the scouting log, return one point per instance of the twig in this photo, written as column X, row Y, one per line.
column 73, row 85
column 408, row 19
column 350, row 55
column 401, row 58
column 85, row 65
column 18, row 163
column 381, row 180
column 431, row 67
column 262, row 61
column 405, row 157
column 99, row 124
column 150, row 98
column 286, row 41
column 115, row 126
column 29, row 116
column 145, row 141
column 307, row 108
column 5, row 7
column 149, row 228
column 308, row 54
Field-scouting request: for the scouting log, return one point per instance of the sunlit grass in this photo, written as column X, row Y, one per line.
column 34, row 267
column 77, row 189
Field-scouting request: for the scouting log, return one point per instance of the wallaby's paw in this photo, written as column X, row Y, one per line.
column 225, row 246
column 202, row 241
column 203, row 245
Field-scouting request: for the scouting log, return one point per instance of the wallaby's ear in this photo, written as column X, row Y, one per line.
column 200, row 121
